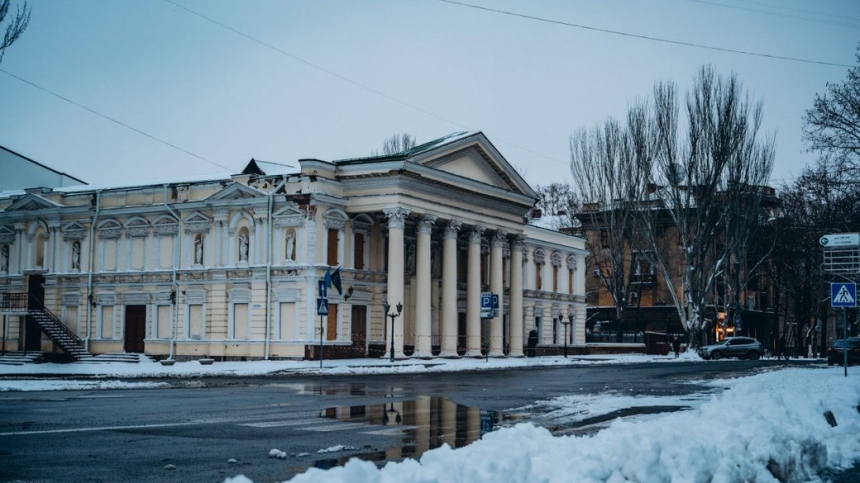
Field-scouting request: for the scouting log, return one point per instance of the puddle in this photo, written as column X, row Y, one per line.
column 422, row 424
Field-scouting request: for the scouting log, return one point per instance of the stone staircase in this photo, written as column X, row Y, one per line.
column 114, row 357
column 20, row 358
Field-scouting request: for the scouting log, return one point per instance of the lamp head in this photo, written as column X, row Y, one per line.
column 399, row 308
column 385, row 307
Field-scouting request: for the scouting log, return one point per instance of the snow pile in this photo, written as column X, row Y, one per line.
column 765, row 428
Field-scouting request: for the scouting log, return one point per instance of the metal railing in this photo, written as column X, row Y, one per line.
column 14, row 301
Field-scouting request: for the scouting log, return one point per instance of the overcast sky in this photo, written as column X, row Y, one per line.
column 281, row 80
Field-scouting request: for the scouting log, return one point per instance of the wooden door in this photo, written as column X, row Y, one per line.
column 359, row 327
column 35, row 301
column 135, row 328
column 331, row 323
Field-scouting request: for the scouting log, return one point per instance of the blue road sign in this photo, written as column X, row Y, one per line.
column 486, row 305
column 322, row 306
column 323, row 289
column 843, row 294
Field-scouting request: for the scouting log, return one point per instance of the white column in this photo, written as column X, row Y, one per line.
column 473, row 294
column 396, row 222
column 496, row 347
column 449, row 290
column 423, row 304
column 516, row 297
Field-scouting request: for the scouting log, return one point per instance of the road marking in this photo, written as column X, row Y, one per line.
column 290, row 422
column 394, row 431
column 119, row 428
column 336, row 427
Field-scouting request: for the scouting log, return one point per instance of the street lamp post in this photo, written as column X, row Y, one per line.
column 566, row 323
column 393, row 316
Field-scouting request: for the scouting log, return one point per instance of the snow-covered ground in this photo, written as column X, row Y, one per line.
column 764, row 428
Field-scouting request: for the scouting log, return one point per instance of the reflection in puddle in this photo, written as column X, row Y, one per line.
column 424, row 423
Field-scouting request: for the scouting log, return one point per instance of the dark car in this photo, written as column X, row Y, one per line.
column 836, row 351
column 741, row 347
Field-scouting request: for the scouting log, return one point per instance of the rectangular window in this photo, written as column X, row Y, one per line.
column 240, row 321
column 555, row 278
column 358, row 254
column 107, row 322
column 162, row 330
column 110, row 255
column 195, row 321
column 137, row 250
column 570, row 281
column 555, row 330
column 333, row 237
column 165, row 252
column 538, row 284
column 288, row 321
column 604, row 238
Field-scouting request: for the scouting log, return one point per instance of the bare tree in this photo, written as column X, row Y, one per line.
column 15, row 25
column 709, row 175
column 396, row 144
column 832, row 125
column 610, row 165
column 561, row 202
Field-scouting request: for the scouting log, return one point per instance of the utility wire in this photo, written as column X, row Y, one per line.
column 638, row 36
column 115, row 121
column 807, row 18
column 350, row 81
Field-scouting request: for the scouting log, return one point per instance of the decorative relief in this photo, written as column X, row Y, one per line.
column 165, row 226
column 452, row 228
column 571, row 263
column 137, row 228
column 335, row 219
column 72, row 231
column 197, row 223
column 363, row 227
column 500, row 239
column 556, row 260
column 110, row 229
column 476, row 234
column 540, row 257
column 396, row 217
column 425, row 225
column 7, row 235
column 289, row 216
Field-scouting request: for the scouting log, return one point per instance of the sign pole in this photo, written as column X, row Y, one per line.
column 845, row 336
column 321, row 340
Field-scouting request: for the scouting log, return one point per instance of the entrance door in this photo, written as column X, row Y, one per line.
column 359, row 329
column 331, row 323
column 135, row 328
column 35, row 301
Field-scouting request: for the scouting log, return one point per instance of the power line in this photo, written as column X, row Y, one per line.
column 642, row 37
column 115, row 121
column 842, row 23
column 349, row 80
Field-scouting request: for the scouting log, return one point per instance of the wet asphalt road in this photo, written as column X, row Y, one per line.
column 204, row 430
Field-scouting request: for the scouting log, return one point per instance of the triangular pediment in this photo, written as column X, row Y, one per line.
column 236, row 191
column 473, row 157
column 288, row 210
column 32, row 202
column 7, row 235
column 197, row 217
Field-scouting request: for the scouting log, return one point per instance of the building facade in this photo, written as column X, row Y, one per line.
column 231, row 268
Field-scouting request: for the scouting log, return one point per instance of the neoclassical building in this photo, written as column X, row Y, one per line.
column 231, row 268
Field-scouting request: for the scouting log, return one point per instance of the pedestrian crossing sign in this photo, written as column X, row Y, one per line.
column 322, row 306
column 843, row 294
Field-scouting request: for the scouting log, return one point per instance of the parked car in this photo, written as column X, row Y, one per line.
column 835, row 351
column 741, row 347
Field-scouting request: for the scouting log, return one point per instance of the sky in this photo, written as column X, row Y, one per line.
column 115, row 90
column 734, row 432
